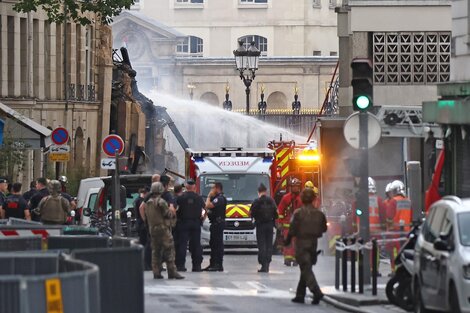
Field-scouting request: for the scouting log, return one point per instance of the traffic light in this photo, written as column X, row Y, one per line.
column 362, row 83
column 358, row 212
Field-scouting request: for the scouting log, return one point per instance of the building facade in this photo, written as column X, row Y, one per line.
column 298, row 46
column 57, row 75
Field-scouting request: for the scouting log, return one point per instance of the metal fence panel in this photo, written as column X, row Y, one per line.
column 25, row 264
column 20, row 221
column 10, row 296
column 13, row 243
column 76, row 242
column 121, row 278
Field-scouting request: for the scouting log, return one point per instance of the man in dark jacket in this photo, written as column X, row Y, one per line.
column 264, row 212
column 42, row 191
column 308, row 224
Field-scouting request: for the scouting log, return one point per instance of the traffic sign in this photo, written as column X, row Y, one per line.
column 351, row 130
column 60, row 136
column 59, row 157
column 60, row 148
column 108, row 164
column 112, row 143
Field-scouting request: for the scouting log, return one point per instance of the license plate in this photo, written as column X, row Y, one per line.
column 236, row 237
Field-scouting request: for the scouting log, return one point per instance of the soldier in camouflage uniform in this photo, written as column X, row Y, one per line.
column 308, row 224
column 157, row 214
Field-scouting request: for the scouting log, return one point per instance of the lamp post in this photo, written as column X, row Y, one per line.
column 191, row 88
column 247, row 64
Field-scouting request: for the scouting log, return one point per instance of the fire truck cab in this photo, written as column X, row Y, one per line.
column 241, row 172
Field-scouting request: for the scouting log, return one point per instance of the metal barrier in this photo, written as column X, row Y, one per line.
column 30, row 229
column 121, row 275
column 25, row 243
column 47, row 282
column 71, row 243
column 352, row 249
column 20, row 221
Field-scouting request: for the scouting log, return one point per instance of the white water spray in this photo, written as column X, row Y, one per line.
column 206, row 127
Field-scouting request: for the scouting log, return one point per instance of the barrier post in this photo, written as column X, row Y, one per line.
column 128, row 222
column 353, row 267
column 361, row 266
column 374, row 266
column 344, row 274
column 337, row 259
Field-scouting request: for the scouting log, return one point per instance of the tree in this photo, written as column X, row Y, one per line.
column 59, row 11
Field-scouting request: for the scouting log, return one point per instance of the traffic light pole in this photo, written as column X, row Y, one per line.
column 363, row 194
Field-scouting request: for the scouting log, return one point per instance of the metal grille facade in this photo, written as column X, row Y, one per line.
column 411, row 58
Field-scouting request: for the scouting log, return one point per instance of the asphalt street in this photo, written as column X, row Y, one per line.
column 240, row 288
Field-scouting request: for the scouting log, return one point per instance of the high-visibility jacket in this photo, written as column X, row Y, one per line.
column 375, row 225
column 286, row 208
column 402, row 212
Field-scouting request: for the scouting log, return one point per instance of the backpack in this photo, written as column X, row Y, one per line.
column 267, row 208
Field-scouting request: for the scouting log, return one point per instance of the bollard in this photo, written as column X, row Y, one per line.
column 374, row 266
column 353, row 267
column 337, row 259
column 129, row 216
column 361, row 267
column 342, row 220
column 344, row 274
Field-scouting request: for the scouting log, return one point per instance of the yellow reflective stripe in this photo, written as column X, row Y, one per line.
column 281, row 216
column 236, row 210
column 286, row 225
column 281, row 153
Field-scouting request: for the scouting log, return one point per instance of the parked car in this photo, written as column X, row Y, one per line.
column 441, row 278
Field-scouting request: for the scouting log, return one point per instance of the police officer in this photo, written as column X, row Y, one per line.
column 42, row 191
column 15, row 205
column 157, row 213
column 188, row 227
column 264, row 212
column 308, row 224
column 215, row 206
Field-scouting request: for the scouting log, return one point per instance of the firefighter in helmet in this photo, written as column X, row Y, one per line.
column 377, row 210
column 286, row 208
column 310, row 185
column 400, row 207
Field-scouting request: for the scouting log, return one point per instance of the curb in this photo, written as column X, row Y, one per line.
column 343, row 306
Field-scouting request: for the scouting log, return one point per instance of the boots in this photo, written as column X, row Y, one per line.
column 298, row 299
column 157, row 275
column 264, row 268
column 172, row 273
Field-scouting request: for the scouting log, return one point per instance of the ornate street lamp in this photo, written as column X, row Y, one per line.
column 191, row 88
column 247, row 64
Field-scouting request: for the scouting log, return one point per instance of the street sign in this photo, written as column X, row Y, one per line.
column 60, row 136
column 59, row 157
column 112, row 143
column 108, row 164
column 351, row 130
column 59, row 148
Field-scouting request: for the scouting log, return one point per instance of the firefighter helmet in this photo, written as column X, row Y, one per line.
column 309, row 184
column 398, row 188
column 295, row 182
column 388, row 188
column 372, row 185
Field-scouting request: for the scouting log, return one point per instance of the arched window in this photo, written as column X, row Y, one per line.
column 260, row 42
column 277, row 100
column 192, row 46
column 210, row 98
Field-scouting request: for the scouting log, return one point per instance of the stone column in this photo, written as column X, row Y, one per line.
column 4, row 56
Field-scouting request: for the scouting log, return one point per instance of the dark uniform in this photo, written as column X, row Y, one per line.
column 29, row 194
column 188, row 228
column 14, row 206
column 264, row 212
column 308, row 224
column 217, row 219
column 34, row 202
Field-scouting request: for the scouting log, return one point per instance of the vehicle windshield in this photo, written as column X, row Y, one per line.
column 237, row 187
column 464, row 228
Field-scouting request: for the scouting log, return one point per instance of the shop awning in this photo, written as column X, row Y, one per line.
column 23, row 129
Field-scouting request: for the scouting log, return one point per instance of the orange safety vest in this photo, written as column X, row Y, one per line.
column 403, row 213
column 374, row 215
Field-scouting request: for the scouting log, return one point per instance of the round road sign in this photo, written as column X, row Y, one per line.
column 60, row 136
column 351, row 130
column 112, row 143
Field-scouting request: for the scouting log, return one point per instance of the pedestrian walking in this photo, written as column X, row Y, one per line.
column 216, row 204
column 308, row 224
column 264, row 212
column 188, row 227
column 54, row 209
column 15, row 205
column 289, row 203
column 157, row 213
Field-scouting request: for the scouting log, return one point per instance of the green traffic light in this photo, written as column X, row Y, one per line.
column 362, row 102
column 358, row 212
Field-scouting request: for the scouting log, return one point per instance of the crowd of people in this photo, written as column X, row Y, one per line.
column 46, row 201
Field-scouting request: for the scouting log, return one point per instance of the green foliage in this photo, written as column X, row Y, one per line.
column 12, row 157
column 59, row 11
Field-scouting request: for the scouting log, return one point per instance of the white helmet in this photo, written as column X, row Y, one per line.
column 388, row 188
column 398, row 188
column 372, row 185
